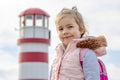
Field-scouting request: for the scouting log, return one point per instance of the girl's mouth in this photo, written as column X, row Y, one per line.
column 66, row 37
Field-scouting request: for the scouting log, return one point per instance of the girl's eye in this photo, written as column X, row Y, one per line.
column 70, row 26
column 60, row 29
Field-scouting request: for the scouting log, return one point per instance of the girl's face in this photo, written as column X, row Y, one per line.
column 68, row 29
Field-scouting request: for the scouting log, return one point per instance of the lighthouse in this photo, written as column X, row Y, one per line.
column 33, row 42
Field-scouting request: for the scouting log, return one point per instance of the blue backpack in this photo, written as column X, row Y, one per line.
column 103, row 72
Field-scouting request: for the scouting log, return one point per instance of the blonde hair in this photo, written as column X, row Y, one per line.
column 76, row 15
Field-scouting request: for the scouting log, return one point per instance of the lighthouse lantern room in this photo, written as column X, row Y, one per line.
column 34, row 41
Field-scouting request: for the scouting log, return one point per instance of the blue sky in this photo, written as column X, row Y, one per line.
column 102, row 17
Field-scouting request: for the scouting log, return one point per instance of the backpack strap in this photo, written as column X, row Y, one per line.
column 103, row 72
column 102, row 67
column 82, row 55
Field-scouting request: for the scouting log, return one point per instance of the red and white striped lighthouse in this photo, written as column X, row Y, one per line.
column 34, row 42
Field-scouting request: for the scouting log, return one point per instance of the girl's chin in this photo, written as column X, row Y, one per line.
column 67, row 42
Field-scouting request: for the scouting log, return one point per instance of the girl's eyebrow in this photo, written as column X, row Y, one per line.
column 59, row 26
column 69, row 24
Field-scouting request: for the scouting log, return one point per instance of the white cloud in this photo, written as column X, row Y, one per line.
column 9, row 66
column 114, row 43
column 113, row 72
column 8, row 61
column 9, row 74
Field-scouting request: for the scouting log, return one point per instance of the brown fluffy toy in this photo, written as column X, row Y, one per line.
column 97, row 44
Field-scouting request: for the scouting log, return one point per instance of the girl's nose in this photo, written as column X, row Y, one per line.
column 65, row 31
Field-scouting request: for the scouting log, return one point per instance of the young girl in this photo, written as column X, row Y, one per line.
column 66, row 65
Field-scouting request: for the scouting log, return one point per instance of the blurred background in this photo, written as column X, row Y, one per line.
column 102, row 17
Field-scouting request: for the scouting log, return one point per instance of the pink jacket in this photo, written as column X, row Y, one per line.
column 67, row 66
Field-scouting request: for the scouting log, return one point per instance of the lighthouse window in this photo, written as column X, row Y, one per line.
column 22, row 22
column 46, row 21
column 39, row 17
column 29, row 20
column 39, row 20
